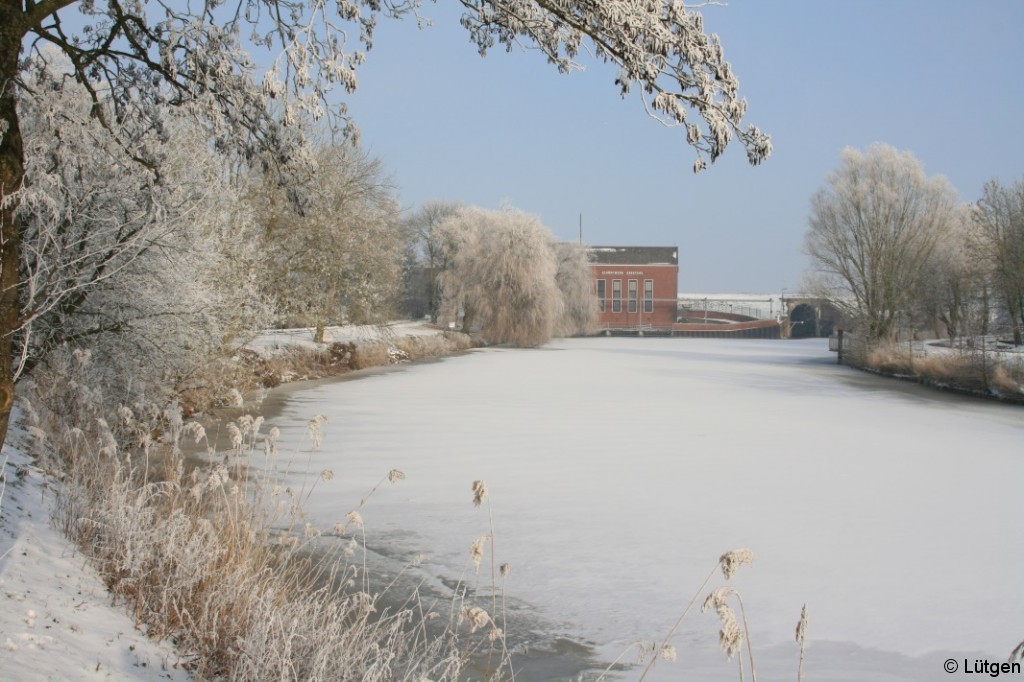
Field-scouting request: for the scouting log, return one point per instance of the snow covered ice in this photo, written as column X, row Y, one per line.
column 620, row 470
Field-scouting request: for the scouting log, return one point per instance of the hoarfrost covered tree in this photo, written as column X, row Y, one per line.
column 999, row 244
column 503, row 274
column 575, row 283
column 458, row 238
column 335, row 251
column 954, row 291
column 432, row 253
column 873, row 231
column 142, row 55
column 136, row 268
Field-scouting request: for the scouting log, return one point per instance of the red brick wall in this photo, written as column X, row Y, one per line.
column 665, row 283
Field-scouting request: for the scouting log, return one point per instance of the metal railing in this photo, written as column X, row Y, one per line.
column 736, row 307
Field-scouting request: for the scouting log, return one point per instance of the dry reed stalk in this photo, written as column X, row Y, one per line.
column 1017, row 654
column 746, row 632
column 730, row 636
column 728, row 563
column 732, row 561
column 1007, row 380
column 496, row 635
column 801, row 637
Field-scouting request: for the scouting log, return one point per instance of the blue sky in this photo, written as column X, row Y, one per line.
column 939, row 78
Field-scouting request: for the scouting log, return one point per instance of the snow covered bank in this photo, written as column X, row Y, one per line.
column 986, row 369
column 281, row 356
column 220, row 562
column 57, row 621
column 60, row 622
column 275, row 341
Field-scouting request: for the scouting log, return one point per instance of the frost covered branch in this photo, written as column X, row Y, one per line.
column 660, row 47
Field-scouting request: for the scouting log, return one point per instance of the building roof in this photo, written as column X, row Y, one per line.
column 634, row 255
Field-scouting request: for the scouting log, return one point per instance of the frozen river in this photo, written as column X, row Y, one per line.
column 620, row 469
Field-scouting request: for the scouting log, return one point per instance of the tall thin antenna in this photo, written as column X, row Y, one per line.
column 581, row 228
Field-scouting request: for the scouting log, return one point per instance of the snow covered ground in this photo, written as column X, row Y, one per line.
column 56, row 619
column 620, row 469
column 270, row 341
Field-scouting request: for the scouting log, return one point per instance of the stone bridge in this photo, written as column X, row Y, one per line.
column 806, row 317
column 796, row 316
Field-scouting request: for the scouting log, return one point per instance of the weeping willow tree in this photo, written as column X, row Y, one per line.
column 501, row 276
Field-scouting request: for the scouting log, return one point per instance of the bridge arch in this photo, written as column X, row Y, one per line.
column 803, row 321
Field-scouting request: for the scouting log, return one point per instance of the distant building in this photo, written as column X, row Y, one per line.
column 636, row 286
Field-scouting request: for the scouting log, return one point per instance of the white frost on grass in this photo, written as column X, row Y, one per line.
column 619, row 471
column 278, row 340
column 56, row 617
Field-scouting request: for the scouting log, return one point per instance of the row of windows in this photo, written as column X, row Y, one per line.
column 631, row 300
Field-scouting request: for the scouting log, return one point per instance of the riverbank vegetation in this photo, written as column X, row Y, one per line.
column 907, row 264
column 222, row 561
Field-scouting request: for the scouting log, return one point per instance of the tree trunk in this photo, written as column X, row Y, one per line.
column 12, row 175
column 1018, row 323
column 434, row 292
column 468, row 316
column 984, row 311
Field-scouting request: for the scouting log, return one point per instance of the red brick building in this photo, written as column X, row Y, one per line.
column 636, row 286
